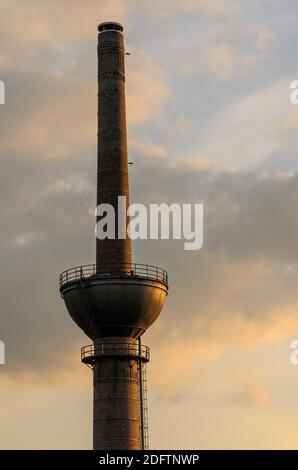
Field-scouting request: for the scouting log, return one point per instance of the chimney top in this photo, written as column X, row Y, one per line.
column 110, row 26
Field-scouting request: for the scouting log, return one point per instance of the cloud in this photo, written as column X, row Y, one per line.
column 65, row 408
column 211, row 334
column 229, row 59
column 252, row 394
column 194, row 163
column 180, row 126
column 238, row 291
column 226, row 51
column 44, row 108
column 147, row 91
column 164, row 8
column 146, row 149
column 246, row 215
column 256, row 117
column 225, row 60
column 235, row 296
column 263, row 38
column 28, row 239
column 56, row 22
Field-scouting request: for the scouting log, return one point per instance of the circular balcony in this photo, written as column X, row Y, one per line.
column 110, row 26
column 99, row 350
column 132, row 270
column 117, row 300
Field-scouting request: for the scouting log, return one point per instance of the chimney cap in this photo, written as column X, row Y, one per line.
column 110, row 26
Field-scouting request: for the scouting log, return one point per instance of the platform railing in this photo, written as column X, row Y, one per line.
column 92, row 351
column 118, row 270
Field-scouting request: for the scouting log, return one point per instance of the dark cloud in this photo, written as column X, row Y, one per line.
column 248, row 220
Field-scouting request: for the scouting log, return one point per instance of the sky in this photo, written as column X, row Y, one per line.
column 209, row 121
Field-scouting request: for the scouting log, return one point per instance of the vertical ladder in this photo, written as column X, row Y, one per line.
column 143, row 403
column 145, row 407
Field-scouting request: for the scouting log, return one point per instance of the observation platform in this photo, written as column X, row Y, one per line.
column 125, row 349
column 131, row 270
column 114, row 300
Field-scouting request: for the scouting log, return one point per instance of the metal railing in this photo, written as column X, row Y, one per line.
column 92, row 351
column 87, row 271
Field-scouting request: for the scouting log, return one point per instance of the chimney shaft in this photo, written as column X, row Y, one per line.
column 114, row 307
column 112, row 166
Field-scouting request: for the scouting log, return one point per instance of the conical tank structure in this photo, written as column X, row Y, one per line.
column 114, row 301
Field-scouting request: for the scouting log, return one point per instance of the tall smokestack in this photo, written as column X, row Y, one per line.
column 112, row 166
column 115, row 301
